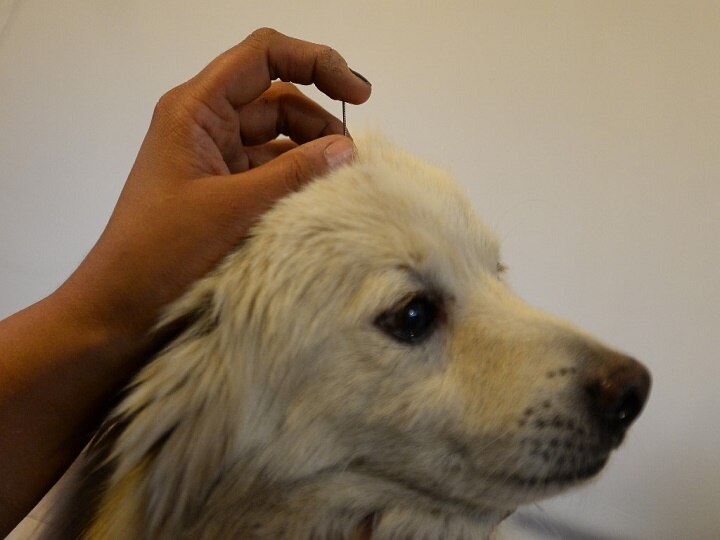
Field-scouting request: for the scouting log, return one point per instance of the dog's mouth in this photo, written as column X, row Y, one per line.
column 559, row 479
column 539, row 485
column 522, row 484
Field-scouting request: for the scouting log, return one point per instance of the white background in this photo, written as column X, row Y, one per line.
column 587, row 134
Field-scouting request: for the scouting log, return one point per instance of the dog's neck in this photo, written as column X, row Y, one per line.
column 271, row 491
column 302, row 484
column 333, row 504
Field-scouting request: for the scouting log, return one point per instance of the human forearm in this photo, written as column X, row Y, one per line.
column 59, row 369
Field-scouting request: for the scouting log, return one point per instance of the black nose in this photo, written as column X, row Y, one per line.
column 618, row 391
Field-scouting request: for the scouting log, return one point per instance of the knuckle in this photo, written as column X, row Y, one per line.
column 281, row 93
column 260, row 40
column 168, row 102
column 263, row 35
column 180, row 104
column 167, row 99
column 282, row 87
column 328, row 54
column 329, row 59
column 174, row 98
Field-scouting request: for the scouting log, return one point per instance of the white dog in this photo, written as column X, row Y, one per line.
column 358, row 361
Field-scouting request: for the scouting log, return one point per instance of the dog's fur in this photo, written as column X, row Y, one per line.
column 287, row 409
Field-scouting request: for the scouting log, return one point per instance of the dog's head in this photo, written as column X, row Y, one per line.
column 384, row 340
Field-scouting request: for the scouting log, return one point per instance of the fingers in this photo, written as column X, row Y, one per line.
column 244, row 72
column 254, row 191
column 283, row 109
column 254, row 156
column 296, row 167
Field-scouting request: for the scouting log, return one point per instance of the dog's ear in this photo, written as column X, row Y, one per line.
column 192, row 315
column 173, row 424
column 177, row 417
column 91, row 477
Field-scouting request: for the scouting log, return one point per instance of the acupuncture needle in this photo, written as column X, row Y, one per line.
column 345, row 131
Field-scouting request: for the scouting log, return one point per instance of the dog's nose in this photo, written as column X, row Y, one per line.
column 617, row 392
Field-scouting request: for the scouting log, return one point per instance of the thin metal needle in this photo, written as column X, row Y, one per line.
column 345, row 131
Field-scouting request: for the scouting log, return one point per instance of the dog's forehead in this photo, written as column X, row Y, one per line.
column 390, row 209
column 378, row 229
column 418, row 202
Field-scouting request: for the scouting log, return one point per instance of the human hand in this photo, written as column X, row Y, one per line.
column 209, row 165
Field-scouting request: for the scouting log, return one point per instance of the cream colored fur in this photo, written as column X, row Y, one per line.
column 285, row 411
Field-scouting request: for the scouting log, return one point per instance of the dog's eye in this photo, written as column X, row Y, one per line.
column 412, row 322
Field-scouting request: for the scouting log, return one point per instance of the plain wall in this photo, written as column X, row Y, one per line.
column 587, row 134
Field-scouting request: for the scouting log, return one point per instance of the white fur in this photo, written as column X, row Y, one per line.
column 284, row 411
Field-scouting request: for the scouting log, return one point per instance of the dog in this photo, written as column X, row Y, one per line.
column 358, row 362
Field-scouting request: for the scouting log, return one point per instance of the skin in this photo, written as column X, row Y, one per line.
column 210, row 164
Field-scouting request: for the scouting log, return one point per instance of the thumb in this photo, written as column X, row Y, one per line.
column 294, row 168
column 243, row 197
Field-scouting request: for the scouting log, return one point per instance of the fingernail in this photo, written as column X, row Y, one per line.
column 361, row 77
column 339, row 152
